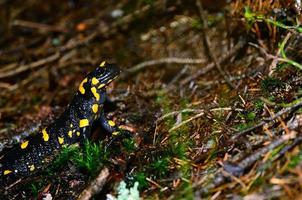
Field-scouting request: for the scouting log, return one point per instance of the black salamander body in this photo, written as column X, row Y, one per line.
column 73, row 126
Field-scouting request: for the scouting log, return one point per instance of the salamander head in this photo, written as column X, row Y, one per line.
column 99, row 78
column 105, row 73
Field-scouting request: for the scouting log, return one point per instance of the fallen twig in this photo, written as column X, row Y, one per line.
column 200, row 112
column 238, row 169
column 172, row 60
column 38, row 26
column 275, row 60
column 265, row 121
column 248, row 161
column 95, row 186
column 186, row 121
column 288, row 147
column 211, row 65
column 208, row 45
column 30, row 66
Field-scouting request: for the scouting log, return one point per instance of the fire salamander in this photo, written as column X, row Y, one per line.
column 73, row 126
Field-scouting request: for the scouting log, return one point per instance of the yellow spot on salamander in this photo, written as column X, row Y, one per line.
column 31, row 168
column 78, row 133
column 45, row 135
column 101, row 86
column 94, row 81
column 95, row 108
column 83, row 123
column 6, row 172
column 71, row 125
column 111, row 123
column 70, row 134
column 103, row 64
column 95, row 93
column 61, row 140
column 24, row 144
column 81, row 87
column 115, row 133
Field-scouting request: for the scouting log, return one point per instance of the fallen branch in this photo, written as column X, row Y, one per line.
column 200, row 112
column 186, row 121
column 95, row 186
column 267, row 120
column 208, row 45
column 172, row 60
column 30, row 66
column 248, row 161
column 211, row 65
column 38, row 26
column 235, row 170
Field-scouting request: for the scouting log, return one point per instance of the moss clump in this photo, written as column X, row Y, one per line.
column 89, row 158
column 140, row 177
column 129, row 144
column 160, row 167
column 295, row 160
column 270, row 83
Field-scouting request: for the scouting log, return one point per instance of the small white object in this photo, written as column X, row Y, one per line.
column 117, row 13
column 47, row 197
column 110, row 197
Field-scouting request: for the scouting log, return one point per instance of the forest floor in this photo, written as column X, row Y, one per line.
column 212, row 92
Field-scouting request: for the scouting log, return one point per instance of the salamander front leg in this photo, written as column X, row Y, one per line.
column 111, row 127
column 108, row 125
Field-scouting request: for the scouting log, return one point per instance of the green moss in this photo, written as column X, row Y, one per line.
column 223, row 101
column 213, row 154
column 250, row 116
column 295, row 160
column 275, row 151
column 179, row 141
column 257, row 182
column 196, row 24
column 242, row 126
column 163, row 101
column 36, row 99
column 247, row 116
column 249, row 15
column 160, row 167
column 281, row 66
column 91, row 158
column 32, row 189
column 36, row 187
column 186, row 191
column 129, row 144
column 64, row 156
column 259, row 105
column 270, row 83
column 140, row 177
